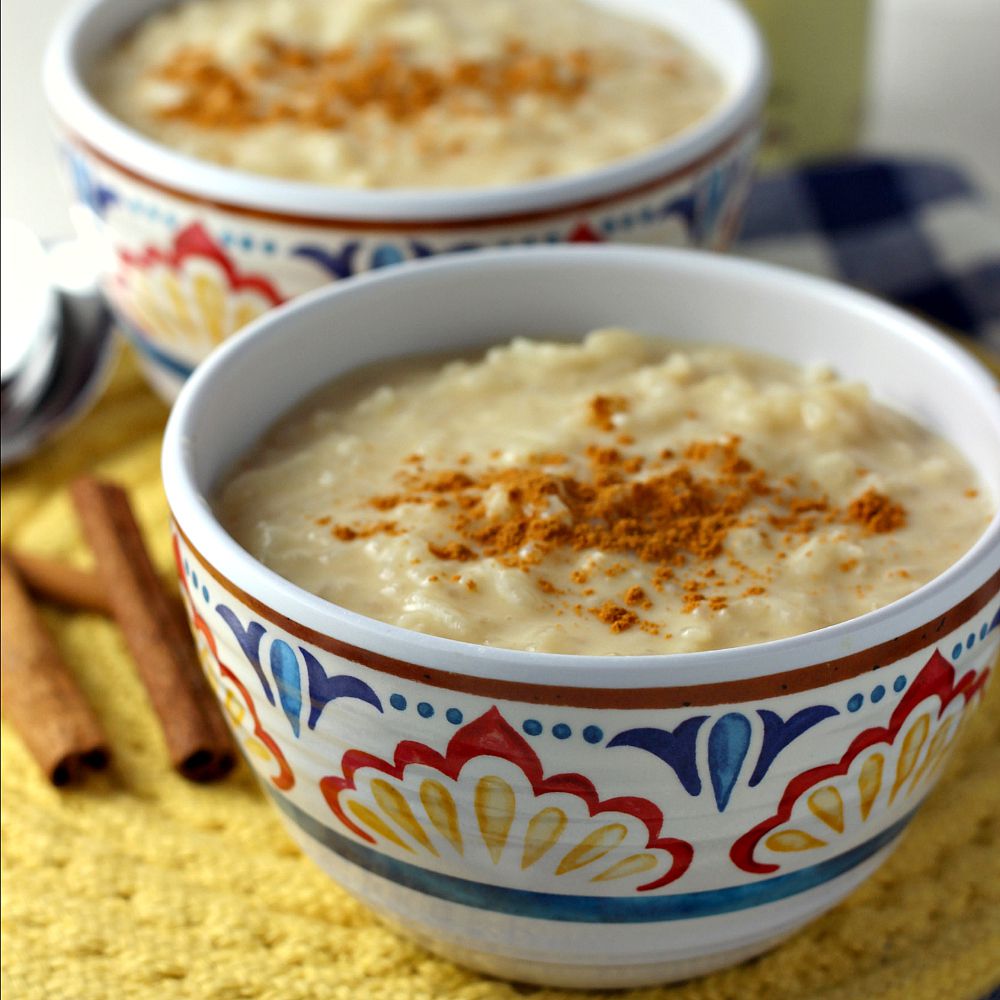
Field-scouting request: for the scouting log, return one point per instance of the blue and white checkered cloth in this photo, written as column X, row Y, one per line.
column 914, row 232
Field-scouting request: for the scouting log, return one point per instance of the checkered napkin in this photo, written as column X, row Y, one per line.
column 915, row 232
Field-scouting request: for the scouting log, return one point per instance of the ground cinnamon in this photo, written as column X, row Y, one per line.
column 325, row 88
column 675, row 513
column 617, row 618
column 604, row 408
column 876, row 513
column 40, row 697
column 197, row 739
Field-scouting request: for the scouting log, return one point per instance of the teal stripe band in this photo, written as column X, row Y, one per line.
column 588, row 909
column 151, row 351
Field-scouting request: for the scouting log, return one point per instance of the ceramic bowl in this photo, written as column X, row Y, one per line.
column 194, row 251
column 584, row 820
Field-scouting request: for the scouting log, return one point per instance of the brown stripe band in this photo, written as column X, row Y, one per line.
column 724, row 692
column 413, row 225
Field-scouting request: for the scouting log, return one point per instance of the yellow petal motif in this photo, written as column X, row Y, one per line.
column 870, row 783
column 245, row 312
column 543, row 831
column 793, row 840
column 935, row 753
column 634, row 864
column 375, row 822
column 151, row 316
column 912, row 744
column 257, row 748
column 441, row 811
column 210, row 677
column 593, row 847
column 234, row 708
column 211, row 305
column 827, row 806
column 179, row 305
column 495, row 804
column 395, row 806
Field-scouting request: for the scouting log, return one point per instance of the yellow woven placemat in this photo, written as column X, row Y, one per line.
column 142, row 885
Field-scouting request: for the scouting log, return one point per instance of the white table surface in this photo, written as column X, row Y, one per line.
column 934, row 88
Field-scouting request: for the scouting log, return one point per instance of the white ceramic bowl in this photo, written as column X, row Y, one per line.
column 193, row 250
column 582, row 820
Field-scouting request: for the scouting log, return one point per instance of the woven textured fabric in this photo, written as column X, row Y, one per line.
column 139, row 884
column 915, row 231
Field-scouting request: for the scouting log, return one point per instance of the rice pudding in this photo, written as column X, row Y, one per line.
column 405, row 93
column 622, row 495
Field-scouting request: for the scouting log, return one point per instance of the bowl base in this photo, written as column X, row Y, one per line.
column 593, row 977
column 583, row 955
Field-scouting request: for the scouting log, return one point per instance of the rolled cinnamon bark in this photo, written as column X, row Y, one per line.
column 79, row 589
column 59, row 582
column 40, row 697
column 197, row 739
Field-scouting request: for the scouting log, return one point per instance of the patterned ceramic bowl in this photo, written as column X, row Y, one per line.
column 585, row 820
column 194, row 251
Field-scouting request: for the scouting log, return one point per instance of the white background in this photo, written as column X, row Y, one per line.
column 934, row 87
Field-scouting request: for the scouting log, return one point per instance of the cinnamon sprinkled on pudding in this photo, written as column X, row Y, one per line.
column 325, row 87
column 735, row 514
column 405, row 93
column 876, row 513
column 603, row 409
column 674, row 514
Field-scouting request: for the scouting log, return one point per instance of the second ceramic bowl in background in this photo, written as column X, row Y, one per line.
column 195, row 251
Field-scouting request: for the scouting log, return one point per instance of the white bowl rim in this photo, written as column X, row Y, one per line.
column 81, row 115
column 193, row 515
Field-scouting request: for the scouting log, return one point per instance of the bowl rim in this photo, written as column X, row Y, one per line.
column 81, row 116
column 192, row 513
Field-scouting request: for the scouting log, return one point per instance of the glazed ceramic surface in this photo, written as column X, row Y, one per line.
column 569, row 819
column 194, row 251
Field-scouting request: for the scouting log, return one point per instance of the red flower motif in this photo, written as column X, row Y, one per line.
column 195, row 241
column 584, row 233
column 936, row 678
column 492, row 736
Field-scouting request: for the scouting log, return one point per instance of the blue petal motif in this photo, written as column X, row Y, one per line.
column 778, row 733
column 96, row 196
column 728, row 743
column 285, row 670
column 249, row 640
column 339, row 263
column 996, row 621
column 323, row 689
column 421, row 250
column 386, row 255
column 683, row 207
column 676, row 748
column 710, row 198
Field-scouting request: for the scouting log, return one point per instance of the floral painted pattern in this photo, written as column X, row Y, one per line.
column 298, row 680
column 541, row 830
column 498, row 797
column 192, row 296
column 236, row 700
column 727, row 741
column 182, row 274
column 877, row 776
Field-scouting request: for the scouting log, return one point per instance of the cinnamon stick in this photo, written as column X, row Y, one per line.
column 197, row 739
column 40, row 697
column 77, row 589
column 51, row 580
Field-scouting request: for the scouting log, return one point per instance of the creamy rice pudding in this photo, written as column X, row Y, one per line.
column 622, row 495
column 405, row 93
